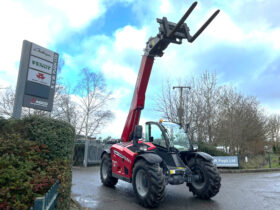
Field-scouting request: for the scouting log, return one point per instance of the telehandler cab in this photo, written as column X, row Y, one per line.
column 166, row 156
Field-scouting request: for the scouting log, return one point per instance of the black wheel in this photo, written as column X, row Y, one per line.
column 207, row 181
column 148, row 183
column 106, row 171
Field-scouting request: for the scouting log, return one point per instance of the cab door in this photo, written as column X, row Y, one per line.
column 156, row 135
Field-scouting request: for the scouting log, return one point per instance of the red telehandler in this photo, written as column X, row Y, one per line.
column 166, row 155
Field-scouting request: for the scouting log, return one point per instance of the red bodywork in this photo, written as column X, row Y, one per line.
column 122, row 153
column 138, row 100
column 123, row 158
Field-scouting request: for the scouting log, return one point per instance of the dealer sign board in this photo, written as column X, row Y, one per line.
column 226, row 161
column 37, row 77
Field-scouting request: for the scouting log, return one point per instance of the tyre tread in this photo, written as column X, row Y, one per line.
column 110, row 181
column 157, row 184
column 213, row 184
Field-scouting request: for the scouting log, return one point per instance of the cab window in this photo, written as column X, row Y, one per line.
column 154, row 135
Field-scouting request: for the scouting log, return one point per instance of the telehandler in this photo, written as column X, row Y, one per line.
column 165, row 155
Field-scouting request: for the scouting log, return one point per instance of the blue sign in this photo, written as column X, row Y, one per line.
column 226, row 161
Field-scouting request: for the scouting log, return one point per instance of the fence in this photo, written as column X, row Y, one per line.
column 95, row 149
column 260, row 161
column 48, row 201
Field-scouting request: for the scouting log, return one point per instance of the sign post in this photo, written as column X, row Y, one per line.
column 36, row 78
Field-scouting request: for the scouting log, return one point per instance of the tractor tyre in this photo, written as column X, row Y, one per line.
column 207, row 180
column 106, row 171
column 148, row 183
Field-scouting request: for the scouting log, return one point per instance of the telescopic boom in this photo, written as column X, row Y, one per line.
column 169, row 32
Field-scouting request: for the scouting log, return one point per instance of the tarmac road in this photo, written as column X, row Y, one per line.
column 251, row 191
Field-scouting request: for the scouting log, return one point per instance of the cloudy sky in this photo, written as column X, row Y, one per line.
column 242, row 45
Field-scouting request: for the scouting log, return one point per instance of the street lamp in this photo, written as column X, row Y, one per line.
column 180, row 109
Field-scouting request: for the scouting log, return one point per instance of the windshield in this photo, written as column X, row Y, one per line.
column 178, row 137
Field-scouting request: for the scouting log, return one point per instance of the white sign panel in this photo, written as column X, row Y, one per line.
column 42, row 52
column 39, row 77
column 41, row 65
column 226, row 161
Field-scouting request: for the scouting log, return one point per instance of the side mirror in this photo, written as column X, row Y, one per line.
column 137, row 134
column 151, row 139
column 195, row 147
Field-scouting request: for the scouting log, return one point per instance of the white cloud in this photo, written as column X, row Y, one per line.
column 165, row 7
column 269, row 109
column 116, row 71
column 120, row 93
column 41, row 22
column 118, row 56
column 78, row 13
column 114, row 56
column 224, row 29
column 116, row 126
column 130, row 38
column 4, row 84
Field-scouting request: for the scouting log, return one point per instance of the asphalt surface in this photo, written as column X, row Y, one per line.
column 239, row 191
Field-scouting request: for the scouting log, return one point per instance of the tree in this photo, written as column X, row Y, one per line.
column 205, row 99
column 64, row 106
column 7, row 97
column 273, row 131
column 217, row 114
column 200, row 105
column 273, row 128
column 241, row 124
column 93, row 101
column 85, row 107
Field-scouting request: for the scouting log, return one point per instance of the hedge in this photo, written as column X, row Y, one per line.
column 34, row 152
column 210, row 149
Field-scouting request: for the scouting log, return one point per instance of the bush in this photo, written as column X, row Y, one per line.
column 23, row 173
column 58, row 135
column 210, row 149
column 34, row 152
column 260, row 161
column 276, row 148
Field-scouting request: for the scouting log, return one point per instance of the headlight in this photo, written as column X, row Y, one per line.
column 143, row 148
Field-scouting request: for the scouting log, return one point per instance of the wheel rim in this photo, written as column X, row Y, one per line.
column 141, row 182
column 200, row 181
column 104, row 169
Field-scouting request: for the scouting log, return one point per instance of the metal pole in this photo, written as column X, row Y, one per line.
column 269, row 161
column 86, row 153
column 22, row 75
column 180, row 109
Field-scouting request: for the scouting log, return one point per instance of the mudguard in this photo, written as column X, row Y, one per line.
column 106, row 150
column 204, row 156
column 108, row 145
column 149, row 157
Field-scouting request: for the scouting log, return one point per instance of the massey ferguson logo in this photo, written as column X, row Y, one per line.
column 38, row 103
column 121, row 156
column 40, row 76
